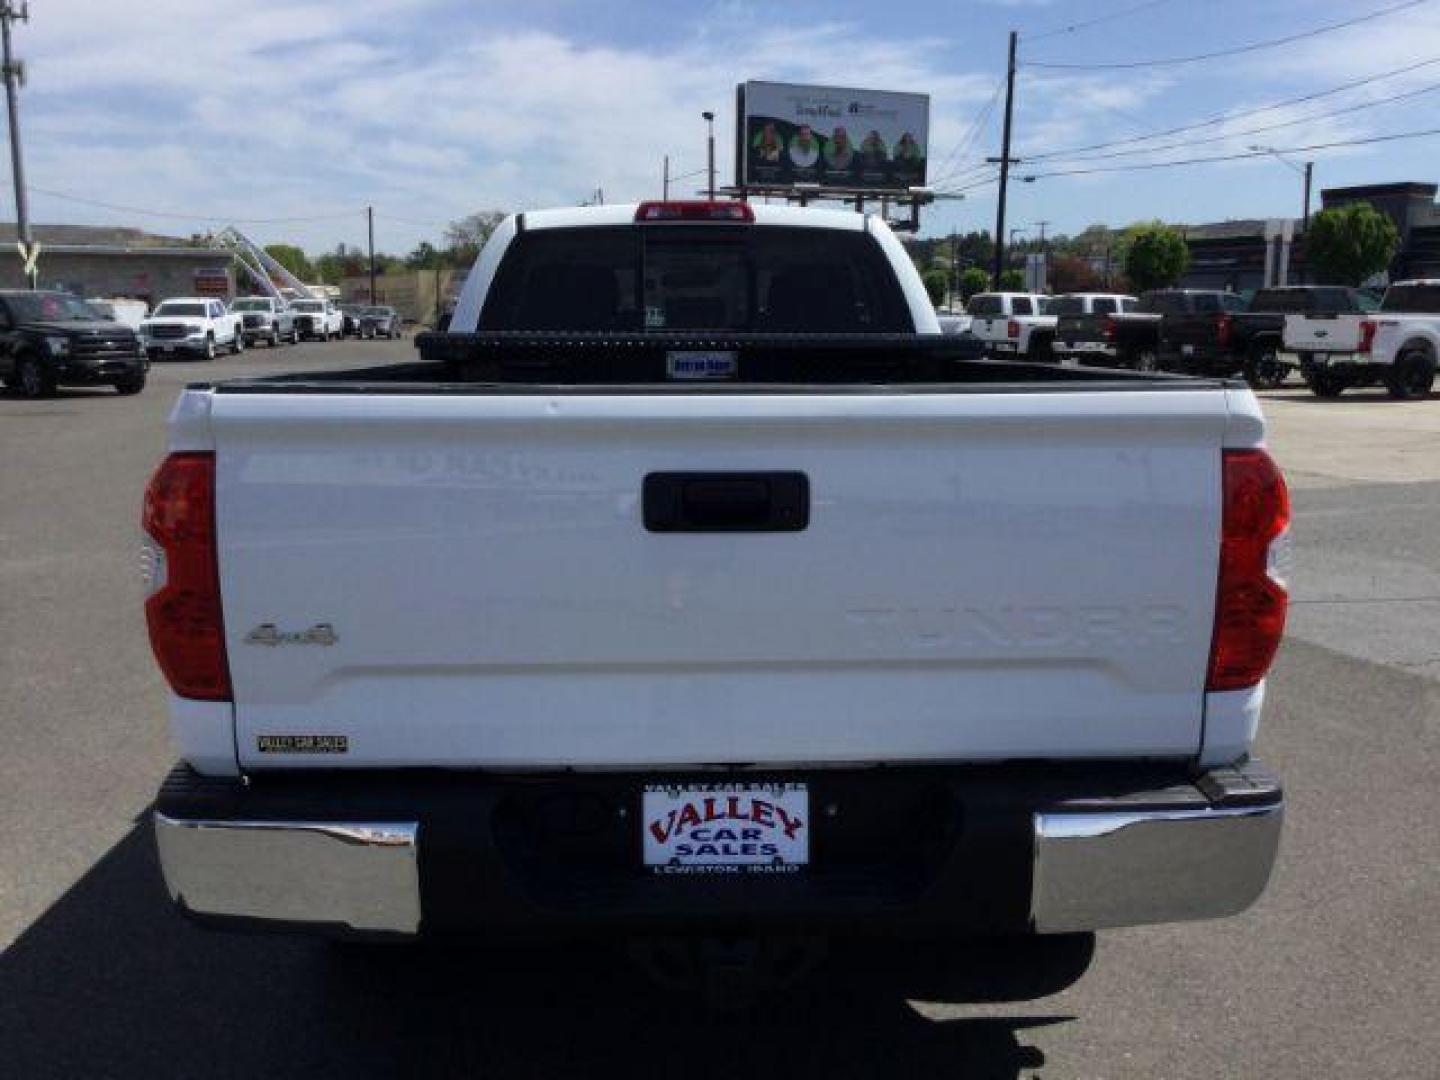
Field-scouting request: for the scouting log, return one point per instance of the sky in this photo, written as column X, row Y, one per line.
column 289, row 117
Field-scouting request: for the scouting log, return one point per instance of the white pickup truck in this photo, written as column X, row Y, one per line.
column 319, row 319
column 193, row 324
column 693, row 582
column 1013, row 325
column 1396, row 346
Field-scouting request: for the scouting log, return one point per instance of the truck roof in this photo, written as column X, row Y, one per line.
column 571, row 217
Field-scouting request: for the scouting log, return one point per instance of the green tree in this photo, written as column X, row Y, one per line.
column 465, row 238
column 937, row 284
column 1348, row 244
column 1155, row 256
column 972, row 281
column 1012, row 281
column 293, row 259
column 426, row 256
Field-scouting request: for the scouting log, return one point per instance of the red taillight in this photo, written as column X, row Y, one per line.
column 1251, row 599
column 1224, row 325
column 1108, row 330
column 1013, row 329
column 187, row 630
column 694, row 210
column 1367, row 334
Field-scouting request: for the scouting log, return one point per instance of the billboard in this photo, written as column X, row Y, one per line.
column 854, row 140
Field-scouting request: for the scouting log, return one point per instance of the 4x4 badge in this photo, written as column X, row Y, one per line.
column 270, row 634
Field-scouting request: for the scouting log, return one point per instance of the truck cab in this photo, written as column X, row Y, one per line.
column 265, row 318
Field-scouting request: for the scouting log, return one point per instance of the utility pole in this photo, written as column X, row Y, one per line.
column 954, row 269
column 14, row 72
column 370, row 223
column 710, row 151
column 666, row 186
column 1309, row 172
column 1005, row 164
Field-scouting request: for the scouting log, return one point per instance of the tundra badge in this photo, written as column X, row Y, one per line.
column 269, row 634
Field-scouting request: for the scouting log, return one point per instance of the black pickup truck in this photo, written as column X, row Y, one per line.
column 1246, row 340
column 49, row 339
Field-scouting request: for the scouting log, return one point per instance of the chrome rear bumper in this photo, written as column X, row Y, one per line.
column 1071, row 849
column 360, row 877
column 1102, row 869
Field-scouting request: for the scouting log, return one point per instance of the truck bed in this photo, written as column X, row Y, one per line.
column 522, row 362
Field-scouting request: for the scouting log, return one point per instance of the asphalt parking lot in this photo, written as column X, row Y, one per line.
column 1332, row 974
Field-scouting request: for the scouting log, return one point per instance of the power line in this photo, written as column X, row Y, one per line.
column 1145, row 165
column 1254, row 46
column 972, row 131
column 1391, row 100
column 1087, row 23
column 1222, row 118
column 64, row 196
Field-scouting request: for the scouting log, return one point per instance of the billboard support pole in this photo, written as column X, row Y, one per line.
column 665, row 183
column 1004, row 165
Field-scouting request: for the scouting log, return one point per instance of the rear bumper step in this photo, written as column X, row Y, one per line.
column 959, row 850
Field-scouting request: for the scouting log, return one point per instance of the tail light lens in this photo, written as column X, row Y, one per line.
column 1013, row 330
column 1367, row 334
column 182, row 610
column 1107, row 331
column 1224, row 325
column 1254, row 552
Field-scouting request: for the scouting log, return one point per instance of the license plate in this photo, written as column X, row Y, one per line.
column 1187, row 350
column 167, row 348
column 711, row 364
column 725, row 828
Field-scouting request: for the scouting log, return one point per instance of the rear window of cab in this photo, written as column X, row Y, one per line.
column 696, row 277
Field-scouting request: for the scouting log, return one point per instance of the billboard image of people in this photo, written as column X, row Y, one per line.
column 867, row 140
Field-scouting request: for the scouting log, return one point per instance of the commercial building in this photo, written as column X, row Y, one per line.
column 101, row 262
column 416, row 294
column 1234, row 254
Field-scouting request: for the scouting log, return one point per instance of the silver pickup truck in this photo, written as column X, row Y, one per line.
column 694, row 582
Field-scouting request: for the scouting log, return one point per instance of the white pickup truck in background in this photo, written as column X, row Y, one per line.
column 720, row 595
column 1012, row 326
column 193, row 324
column 1396, row 346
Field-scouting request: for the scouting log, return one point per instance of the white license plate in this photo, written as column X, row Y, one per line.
column 709, row 364
column 1187, row 350
column 167, row 348
column 725, row 828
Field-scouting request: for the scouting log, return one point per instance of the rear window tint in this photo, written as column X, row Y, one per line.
column 680, row 277
column 1206, row 303
column 1020, row 305
column 1103, row 305
column 1068, row 305
column 1419, row 299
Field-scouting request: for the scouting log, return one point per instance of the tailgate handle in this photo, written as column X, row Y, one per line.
column 727, row 502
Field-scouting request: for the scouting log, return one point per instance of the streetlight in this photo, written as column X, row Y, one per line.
column 710, row 149
column 1305, row 170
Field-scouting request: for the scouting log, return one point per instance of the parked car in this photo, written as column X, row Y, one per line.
column 264, row 318
column 50, row 339
column 1012, row 325
column 122, row 309
column 193, row 324
column 318, row 319
column 594, row 646
column 351, row 320
column 1396, row 346
column 381, row 322
column 1084, row 327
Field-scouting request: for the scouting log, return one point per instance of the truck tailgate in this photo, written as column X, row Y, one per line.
column 1322, row 333
column 982, row 576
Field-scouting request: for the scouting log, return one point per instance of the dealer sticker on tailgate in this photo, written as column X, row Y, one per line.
column 726, row 828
